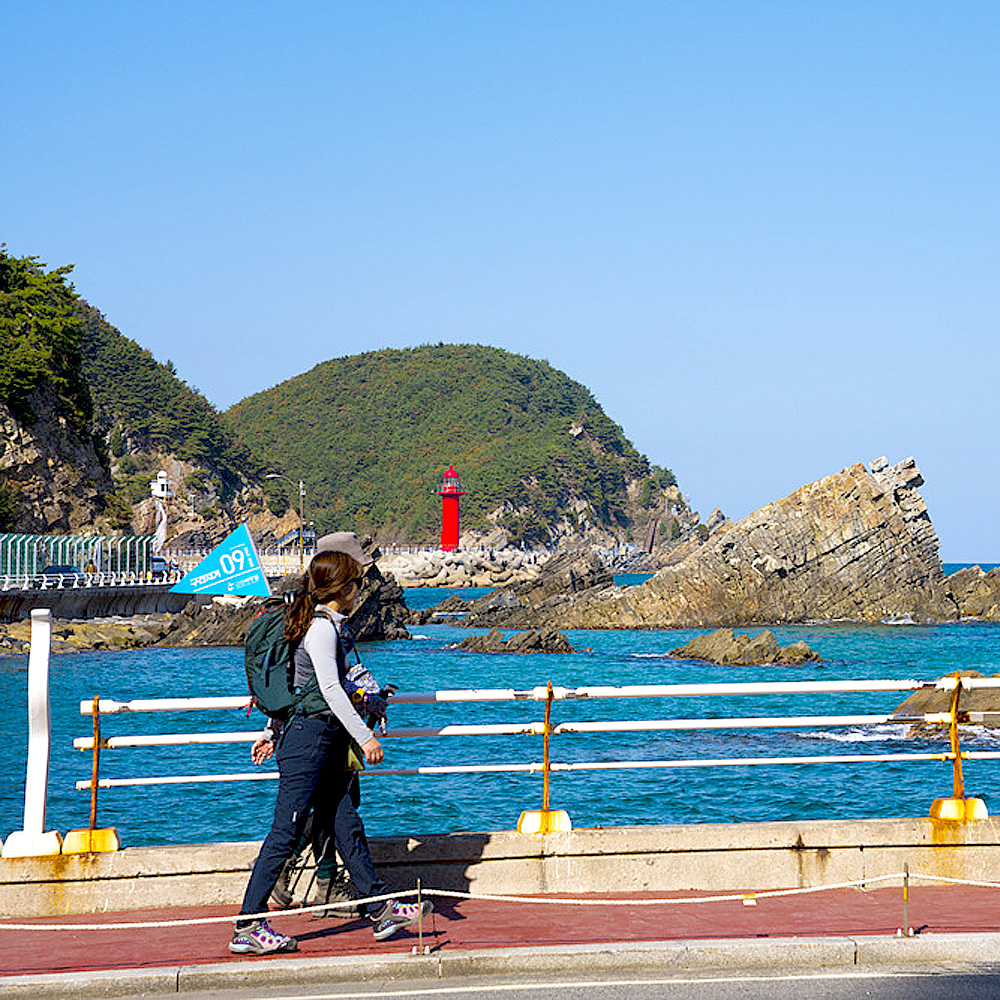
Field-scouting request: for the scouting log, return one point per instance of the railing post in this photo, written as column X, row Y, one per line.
column 958, row 808
column 95, row 768
column 93, row 840
column 545, row 820
column 34, row 840
column 545, row 747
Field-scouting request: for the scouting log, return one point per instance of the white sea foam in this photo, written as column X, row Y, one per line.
column 902, row 732
column 427, row 637
column 870, row 734
column 650, row 656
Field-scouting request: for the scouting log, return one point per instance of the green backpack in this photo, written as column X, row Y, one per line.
column 269, row 659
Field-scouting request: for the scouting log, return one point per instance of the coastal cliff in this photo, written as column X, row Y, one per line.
column 857, row 545
column 52, row 470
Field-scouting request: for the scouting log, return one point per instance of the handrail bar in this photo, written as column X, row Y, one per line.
column 554, row 766
column 109, row 706
column 537, row 729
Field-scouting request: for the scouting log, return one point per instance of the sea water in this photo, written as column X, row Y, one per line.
column 197, row 813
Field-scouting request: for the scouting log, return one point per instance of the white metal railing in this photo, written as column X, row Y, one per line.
column 550, row 694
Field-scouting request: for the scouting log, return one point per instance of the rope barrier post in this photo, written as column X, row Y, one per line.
column 958, row 808
column 906, row 930
column 545, row 820
column 92, row 840
column 419, row 948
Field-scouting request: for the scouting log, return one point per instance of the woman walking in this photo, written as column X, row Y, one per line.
column 312, row 754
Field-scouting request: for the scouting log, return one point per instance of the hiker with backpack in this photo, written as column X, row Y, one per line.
column 312, row 752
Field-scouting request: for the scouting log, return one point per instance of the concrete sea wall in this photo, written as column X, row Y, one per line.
column 722, row 857
column 92, row 602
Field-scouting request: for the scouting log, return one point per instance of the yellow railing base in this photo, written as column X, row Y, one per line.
column 959, row 810
column 103, row 841
column 538, row 821
column 32, row 845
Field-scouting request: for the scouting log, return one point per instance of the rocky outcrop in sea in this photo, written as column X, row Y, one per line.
column 548, row 640
column 976, row 594
column 724, row 647
column 530, row 602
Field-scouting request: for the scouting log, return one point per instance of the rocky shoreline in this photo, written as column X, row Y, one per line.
column 855, row 546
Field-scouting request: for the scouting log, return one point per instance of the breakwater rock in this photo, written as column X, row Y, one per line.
column 723, row 646
column 857, row 545
column 379, row 613
column 929, row 701
column 548, row 640
column 484, row 567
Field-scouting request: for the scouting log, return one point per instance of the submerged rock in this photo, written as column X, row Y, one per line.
column 723, row 646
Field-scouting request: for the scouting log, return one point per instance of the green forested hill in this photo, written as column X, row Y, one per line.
column 371, row 435
column 141, row 401
column 40, row 340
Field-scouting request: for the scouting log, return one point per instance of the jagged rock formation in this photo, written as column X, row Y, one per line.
column 857, row 545
column 724, row 647
column 548, row 640
column 526, row 604
column 977, row 594
column 56, row 473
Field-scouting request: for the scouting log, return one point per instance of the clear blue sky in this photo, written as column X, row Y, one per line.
column 764, row 234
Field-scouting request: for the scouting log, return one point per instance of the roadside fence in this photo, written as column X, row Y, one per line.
column 84, row 581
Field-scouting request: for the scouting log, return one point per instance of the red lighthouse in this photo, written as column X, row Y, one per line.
column 451, row 489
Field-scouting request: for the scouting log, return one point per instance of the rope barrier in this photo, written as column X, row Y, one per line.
column 493, row 897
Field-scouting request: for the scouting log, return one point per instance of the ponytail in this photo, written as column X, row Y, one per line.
column 327, row 579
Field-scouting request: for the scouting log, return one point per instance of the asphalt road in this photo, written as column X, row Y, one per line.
column 901, row 984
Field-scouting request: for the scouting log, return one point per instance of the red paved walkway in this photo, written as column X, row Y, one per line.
column 485, row 924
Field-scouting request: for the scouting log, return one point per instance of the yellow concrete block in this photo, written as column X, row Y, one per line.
column 102, row 841
column 535, row 822
column 959, row 810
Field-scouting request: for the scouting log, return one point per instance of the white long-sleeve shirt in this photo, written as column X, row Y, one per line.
column 321, row 648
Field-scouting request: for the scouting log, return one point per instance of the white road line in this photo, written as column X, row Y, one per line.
column 577, row 984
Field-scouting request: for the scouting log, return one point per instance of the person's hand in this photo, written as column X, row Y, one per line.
column 261, row 750
column 372, row 751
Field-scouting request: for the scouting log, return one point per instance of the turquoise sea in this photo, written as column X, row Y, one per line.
column 198, row 813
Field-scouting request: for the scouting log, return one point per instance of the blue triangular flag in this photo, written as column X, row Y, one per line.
column 232, row 567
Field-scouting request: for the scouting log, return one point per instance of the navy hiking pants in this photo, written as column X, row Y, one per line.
column 311, row 758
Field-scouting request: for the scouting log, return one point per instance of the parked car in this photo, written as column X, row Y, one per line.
column 160, row 568
column 50, row 576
